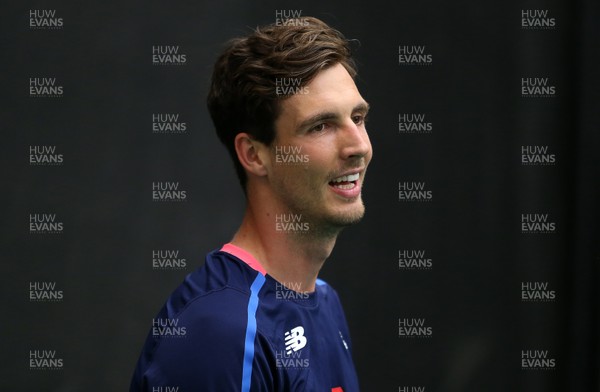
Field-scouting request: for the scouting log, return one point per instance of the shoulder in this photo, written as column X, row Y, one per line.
column 202, row 326
column 215, row 296
column 330, row 300
column 222, row 279
column 209, row 306
column 326, row 291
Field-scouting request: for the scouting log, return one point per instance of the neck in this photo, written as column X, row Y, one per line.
column 294, row 259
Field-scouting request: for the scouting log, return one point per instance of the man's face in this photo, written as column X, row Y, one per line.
column 321, row 151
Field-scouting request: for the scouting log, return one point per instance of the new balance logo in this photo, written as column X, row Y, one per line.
column 294, row 339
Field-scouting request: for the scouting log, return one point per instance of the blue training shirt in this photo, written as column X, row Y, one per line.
column 231, row 327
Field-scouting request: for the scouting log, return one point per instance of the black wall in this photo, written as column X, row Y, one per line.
column 470, row 161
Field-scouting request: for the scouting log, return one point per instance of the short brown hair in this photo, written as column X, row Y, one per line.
column 243, row 97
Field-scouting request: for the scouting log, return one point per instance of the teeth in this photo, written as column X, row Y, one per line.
column 350, row 178
column 346, row 186
column 353, row 177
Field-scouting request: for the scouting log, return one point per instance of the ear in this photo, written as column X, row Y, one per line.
column 252, row 154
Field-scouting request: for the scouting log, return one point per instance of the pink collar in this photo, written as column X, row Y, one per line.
column 244, row 256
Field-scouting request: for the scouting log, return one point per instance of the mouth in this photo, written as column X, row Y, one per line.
column 345, row 182
column 347, row 186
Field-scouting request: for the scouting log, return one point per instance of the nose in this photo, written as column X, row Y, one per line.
column 354, row 142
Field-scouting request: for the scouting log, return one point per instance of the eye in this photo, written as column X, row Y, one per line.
column 359, row 119
column 318, row 128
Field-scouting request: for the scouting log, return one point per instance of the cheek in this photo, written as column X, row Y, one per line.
column 313, row 165
column 300, row 179
column 322, row 154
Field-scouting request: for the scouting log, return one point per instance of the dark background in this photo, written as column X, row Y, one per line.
column 471, row 162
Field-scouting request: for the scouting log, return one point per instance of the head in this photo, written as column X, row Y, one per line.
column 289, row 89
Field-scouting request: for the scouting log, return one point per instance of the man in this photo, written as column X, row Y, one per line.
column 255, row 317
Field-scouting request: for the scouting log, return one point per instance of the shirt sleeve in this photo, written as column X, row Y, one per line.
column 209, row 356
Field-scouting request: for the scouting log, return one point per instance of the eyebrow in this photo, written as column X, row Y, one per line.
column 319, row 117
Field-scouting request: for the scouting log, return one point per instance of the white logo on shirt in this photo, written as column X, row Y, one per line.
column 294, row 339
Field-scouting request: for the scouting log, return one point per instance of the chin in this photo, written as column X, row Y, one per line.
column 348, row 217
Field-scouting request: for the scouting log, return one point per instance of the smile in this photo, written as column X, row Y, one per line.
column 345, row 182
